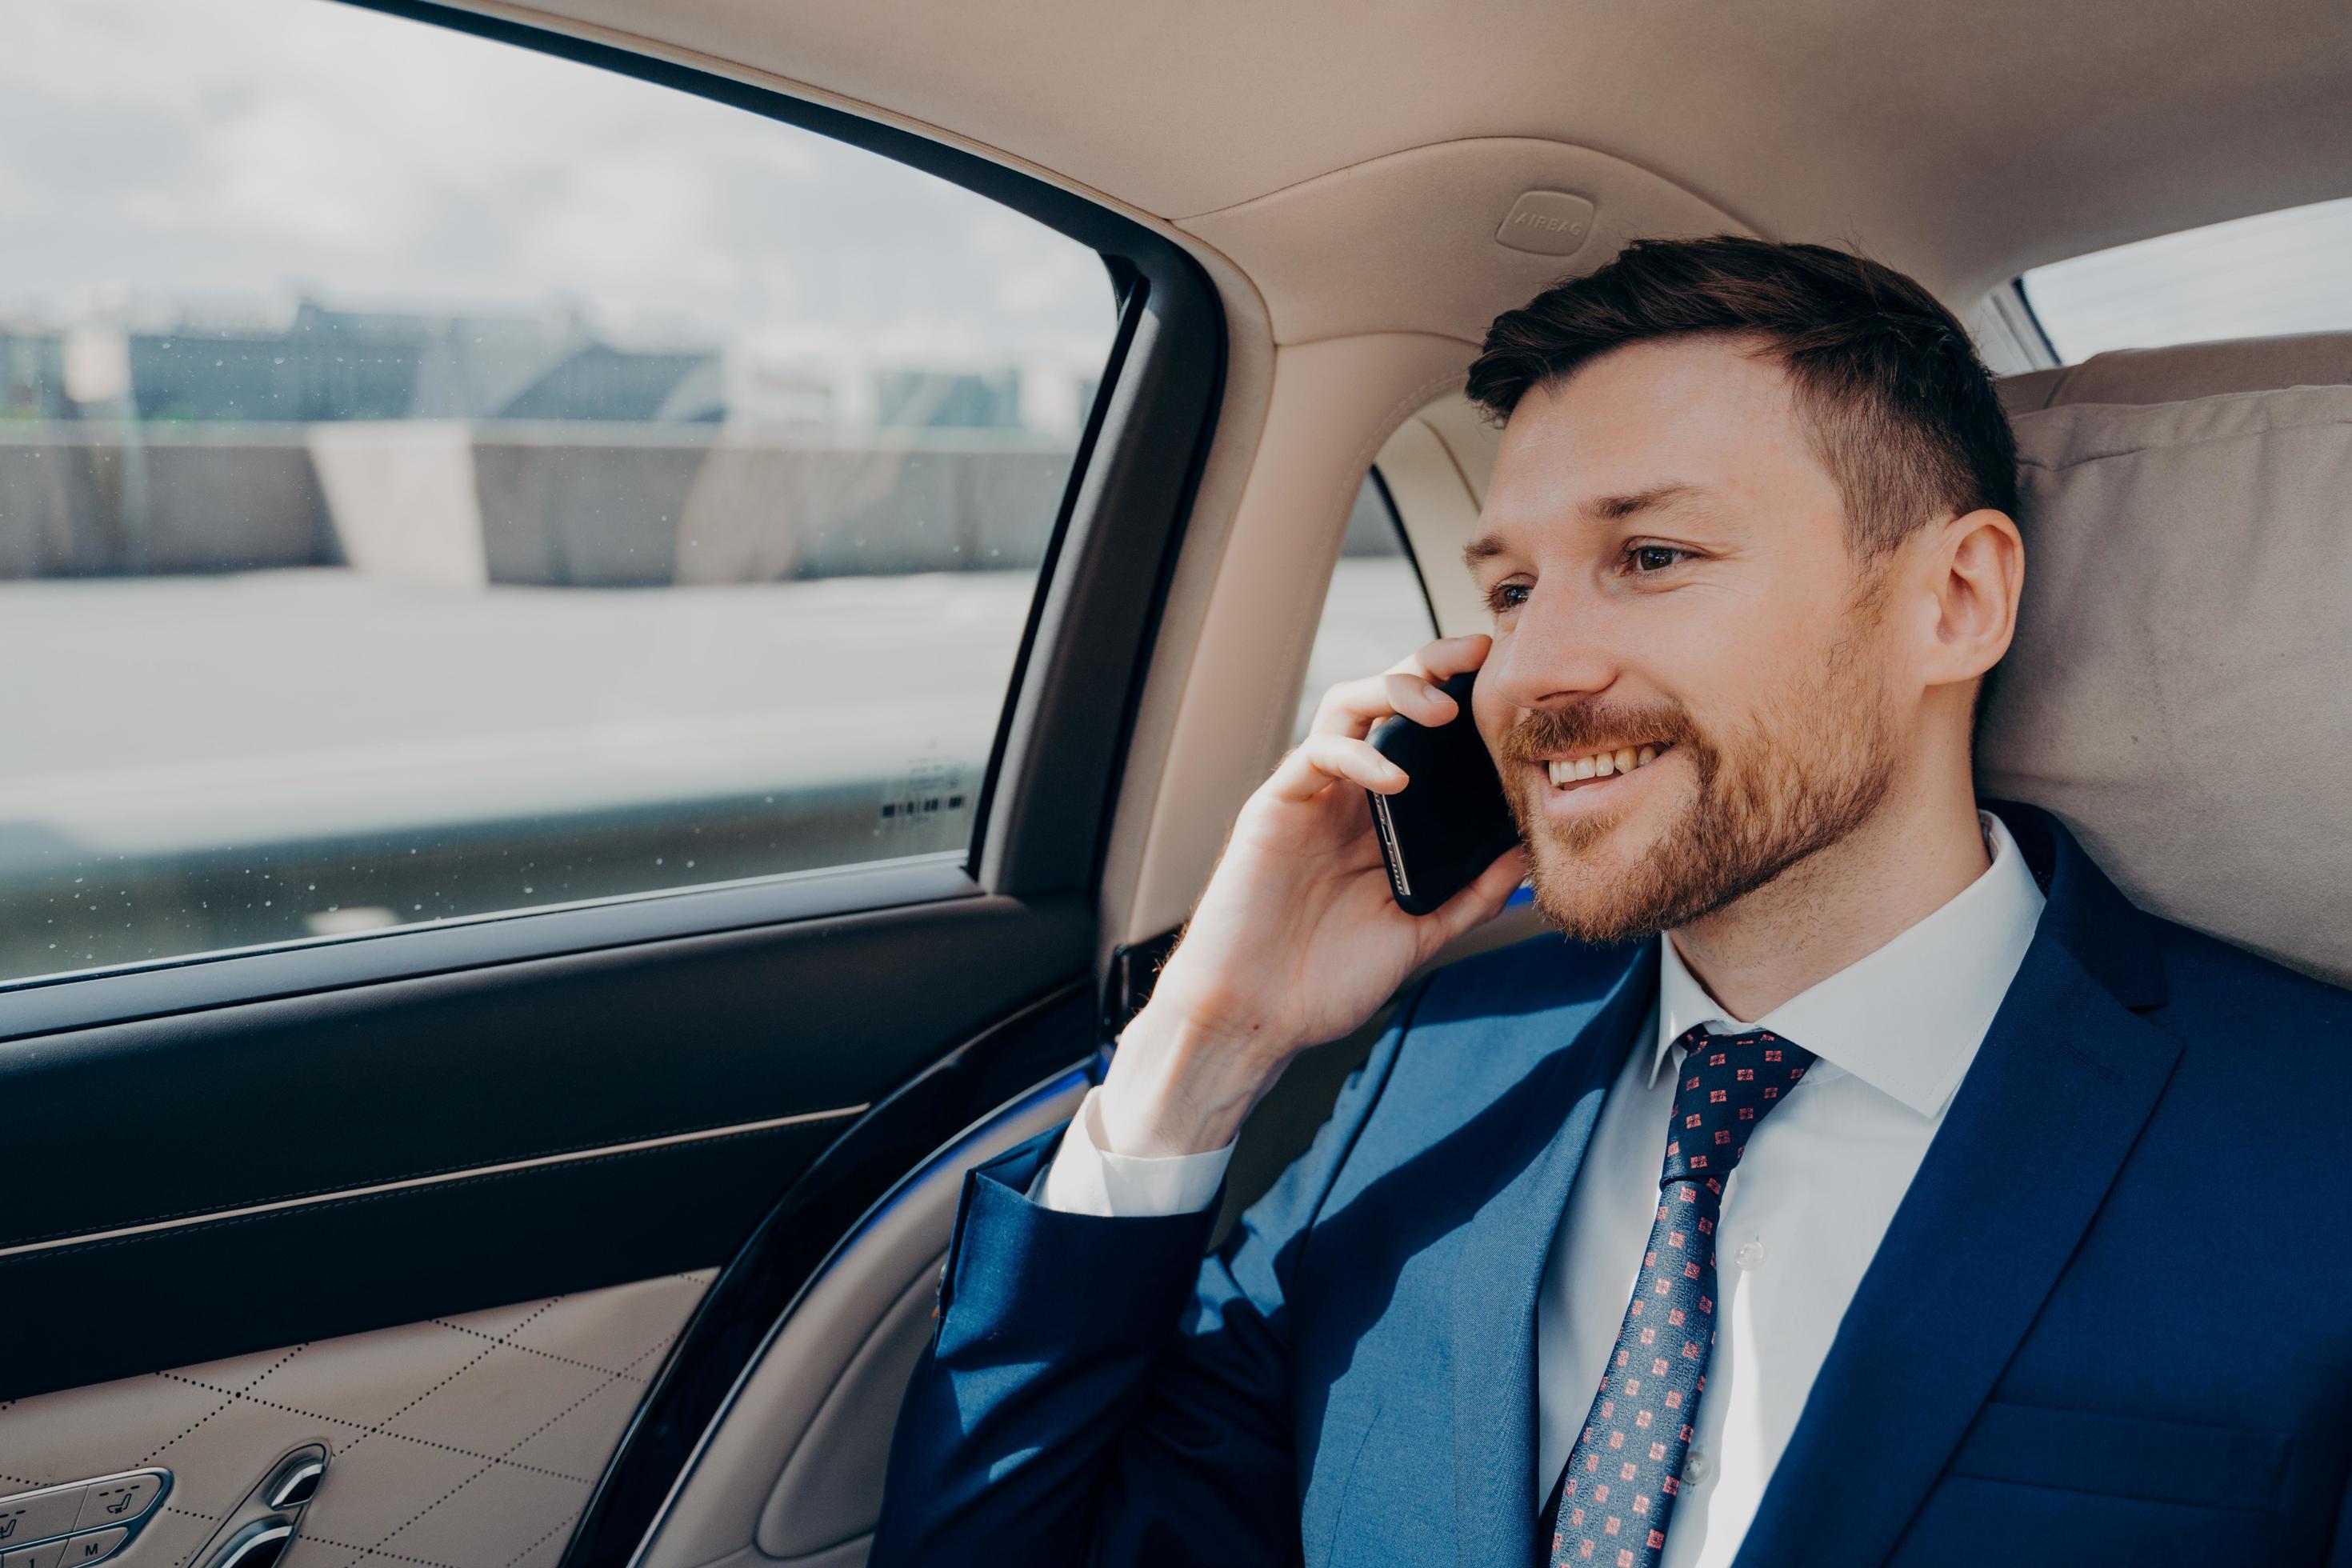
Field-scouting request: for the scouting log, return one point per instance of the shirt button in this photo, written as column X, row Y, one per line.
column 1750, row 1256
column 1695, row 1468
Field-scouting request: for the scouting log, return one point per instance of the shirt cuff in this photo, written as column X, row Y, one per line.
column 1085, row 1179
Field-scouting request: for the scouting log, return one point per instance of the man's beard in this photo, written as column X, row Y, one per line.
column 1807, row 772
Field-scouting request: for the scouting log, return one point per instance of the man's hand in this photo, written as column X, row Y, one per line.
column 1297, row 939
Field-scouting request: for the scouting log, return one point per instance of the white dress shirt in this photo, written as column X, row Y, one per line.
column 1893, row 1034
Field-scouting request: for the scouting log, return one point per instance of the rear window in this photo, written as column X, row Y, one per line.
column 2255, row 277
column 1375, row 610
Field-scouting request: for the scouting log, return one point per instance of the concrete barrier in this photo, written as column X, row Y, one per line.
column 597, row 510
column 129, row 499
column 48, row 511
column 560, row 504
column 402, row 500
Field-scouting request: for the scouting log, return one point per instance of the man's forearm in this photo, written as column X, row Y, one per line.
column 1177, row 1088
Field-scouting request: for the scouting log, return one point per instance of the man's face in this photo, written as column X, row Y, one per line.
column 1667, row 563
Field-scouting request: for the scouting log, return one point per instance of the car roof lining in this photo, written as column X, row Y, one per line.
column 1964, row 142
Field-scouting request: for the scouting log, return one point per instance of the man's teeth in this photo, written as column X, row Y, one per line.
column 1600, row 764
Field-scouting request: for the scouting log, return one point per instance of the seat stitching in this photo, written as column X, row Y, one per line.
column 366, row 1551
column 542, row 1310
column 234, row 1396
column 534, row 1350
column 403, row 1436
column 543, row 1307
column 540, row 1541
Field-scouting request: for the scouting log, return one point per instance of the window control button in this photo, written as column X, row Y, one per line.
column 33, row 1515
column 46, row 1556
column 96, row 1547
column 118, row 1502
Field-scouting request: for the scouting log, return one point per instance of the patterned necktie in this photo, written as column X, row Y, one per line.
column 1618, row 1490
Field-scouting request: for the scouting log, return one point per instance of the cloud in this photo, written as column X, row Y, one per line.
column 172, row 151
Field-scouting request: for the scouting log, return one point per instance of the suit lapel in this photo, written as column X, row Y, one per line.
column 2045, row 1118
column 1492, row 1327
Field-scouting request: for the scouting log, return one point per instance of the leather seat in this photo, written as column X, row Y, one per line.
column 2192, row 369
column 2181, row 689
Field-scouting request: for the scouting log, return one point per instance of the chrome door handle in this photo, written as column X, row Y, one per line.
column 295, row 1482
column 258, row 1545
column 258, row 1531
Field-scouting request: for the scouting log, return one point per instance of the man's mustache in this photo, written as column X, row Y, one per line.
column 1588, row 727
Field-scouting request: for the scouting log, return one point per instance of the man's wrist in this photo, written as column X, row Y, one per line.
column 1177, row 1088
column 1083, row 1178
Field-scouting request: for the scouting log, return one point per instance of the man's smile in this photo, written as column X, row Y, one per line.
column 1568, row 772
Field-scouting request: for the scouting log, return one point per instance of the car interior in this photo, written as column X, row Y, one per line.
column 604, row 1232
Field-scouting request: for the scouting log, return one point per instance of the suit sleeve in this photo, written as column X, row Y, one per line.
column 1097, row 1391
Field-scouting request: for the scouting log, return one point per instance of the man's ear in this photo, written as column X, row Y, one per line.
column 1977, row 571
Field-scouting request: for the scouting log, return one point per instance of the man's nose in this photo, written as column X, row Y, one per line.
column 1551, row 656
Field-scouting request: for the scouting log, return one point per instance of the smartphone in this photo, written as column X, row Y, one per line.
column 1450, row 821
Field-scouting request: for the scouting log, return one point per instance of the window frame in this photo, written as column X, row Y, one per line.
column 1405, row 541
column 2015, row 307
column 1040, row 817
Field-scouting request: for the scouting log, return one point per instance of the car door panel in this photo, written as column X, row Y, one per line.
column 789, row 1468
column 380, row 1155
column 472, row 1437
column 498, row 1208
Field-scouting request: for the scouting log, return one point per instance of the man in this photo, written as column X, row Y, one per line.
column 1911, row 1197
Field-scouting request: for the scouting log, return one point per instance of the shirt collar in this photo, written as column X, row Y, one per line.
column 1907, row 1018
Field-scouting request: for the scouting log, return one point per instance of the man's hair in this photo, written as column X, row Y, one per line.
column 1902, row 411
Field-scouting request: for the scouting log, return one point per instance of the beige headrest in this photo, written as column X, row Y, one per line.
column 2181, row 689
column 2192, row 370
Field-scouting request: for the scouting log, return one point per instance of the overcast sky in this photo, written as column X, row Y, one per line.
column 235, row 153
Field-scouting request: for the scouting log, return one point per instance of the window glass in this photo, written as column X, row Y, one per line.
column 438, row 479
column 2255, row 277
column 1375, row 611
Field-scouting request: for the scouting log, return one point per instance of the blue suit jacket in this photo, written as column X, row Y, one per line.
column 2110, row 1323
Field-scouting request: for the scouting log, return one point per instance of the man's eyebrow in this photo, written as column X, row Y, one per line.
column 1485, row 547
column 1608, row 508
column 1617, row 509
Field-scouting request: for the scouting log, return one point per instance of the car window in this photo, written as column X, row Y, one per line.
column 1375, row 612
column 2255, row 277
column 438, row 480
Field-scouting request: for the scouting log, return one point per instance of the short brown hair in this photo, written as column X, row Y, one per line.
column 1902, row 410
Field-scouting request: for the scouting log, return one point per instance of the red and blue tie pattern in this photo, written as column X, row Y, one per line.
column 1624, row 1473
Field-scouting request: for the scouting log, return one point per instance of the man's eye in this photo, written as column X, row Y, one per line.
column 1508, row 596
column 1655, row 557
